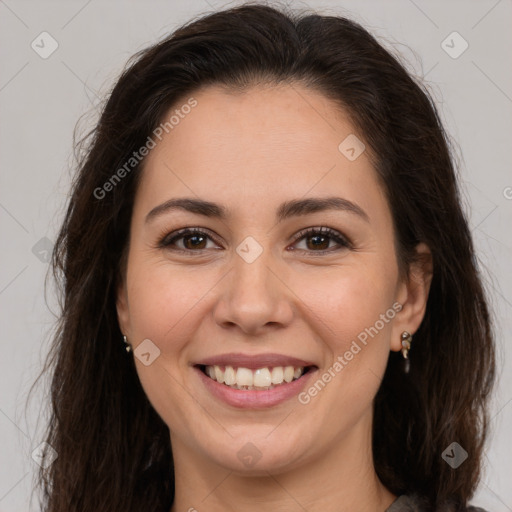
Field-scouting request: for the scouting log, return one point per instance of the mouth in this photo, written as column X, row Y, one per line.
column 254, row 379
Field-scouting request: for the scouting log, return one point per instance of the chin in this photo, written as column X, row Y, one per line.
column 258, row 454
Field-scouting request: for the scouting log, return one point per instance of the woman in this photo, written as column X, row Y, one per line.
column 267, row 215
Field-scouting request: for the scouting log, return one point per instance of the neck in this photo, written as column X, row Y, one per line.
column 340, row 479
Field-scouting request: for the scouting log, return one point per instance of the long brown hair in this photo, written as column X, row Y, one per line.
column 113, row 448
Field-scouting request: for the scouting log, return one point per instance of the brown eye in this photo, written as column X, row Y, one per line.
column 193, row 240
column 318, row 240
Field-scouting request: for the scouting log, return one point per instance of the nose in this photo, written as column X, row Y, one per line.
column 254, row 296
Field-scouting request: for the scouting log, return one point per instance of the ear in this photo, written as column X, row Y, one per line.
column 123, row 310
column 412, row 294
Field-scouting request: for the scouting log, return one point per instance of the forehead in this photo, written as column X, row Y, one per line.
column 247, row 147
column 275, row 122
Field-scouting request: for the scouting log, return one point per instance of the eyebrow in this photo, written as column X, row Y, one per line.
column 288, row 209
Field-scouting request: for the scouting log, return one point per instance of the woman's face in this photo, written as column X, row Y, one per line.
column 251, row 295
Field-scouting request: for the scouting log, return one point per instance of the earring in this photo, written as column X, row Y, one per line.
column 128, row 347
column 406, row 345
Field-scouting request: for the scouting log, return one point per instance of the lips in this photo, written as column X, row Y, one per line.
column 254, row 381
column 254, row 362
column 260, row 379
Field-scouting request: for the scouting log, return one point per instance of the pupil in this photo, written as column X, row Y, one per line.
column 319, row 236
column 199, row 237
column 190, row 237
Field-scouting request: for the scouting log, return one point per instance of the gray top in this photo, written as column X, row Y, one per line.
column 412, row 503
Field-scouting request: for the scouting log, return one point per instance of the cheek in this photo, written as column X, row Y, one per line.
column 165, row 298
column 349, row 302
column 166, row 305
column 355, row 323
column 356, row 316
column 167, row 301
column 355, row 339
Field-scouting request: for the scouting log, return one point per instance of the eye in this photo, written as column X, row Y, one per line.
column 195, row 240
column 192, row 239
column 321, row 238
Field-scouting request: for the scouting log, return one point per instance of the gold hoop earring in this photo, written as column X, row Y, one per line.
column 406, row 346
column 128, row 347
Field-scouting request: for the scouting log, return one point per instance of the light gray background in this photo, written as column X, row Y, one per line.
column 42, row 99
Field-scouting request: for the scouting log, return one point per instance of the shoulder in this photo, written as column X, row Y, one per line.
column 415, row 503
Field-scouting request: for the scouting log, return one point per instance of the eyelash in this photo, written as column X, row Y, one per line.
column 171, row 238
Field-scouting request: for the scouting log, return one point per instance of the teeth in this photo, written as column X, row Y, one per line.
column 261, row 378
column 229, row 375
column 277, row 375
column 288, row 373
column 243, row 377
column 219, row 374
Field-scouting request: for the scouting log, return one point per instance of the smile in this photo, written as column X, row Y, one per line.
column 259, row 379
column 254, row 388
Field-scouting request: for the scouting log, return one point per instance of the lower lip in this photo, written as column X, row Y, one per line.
column 252, row 399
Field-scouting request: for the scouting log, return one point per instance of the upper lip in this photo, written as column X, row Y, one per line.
column 253, row 361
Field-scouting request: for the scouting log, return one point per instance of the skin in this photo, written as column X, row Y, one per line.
column 250, row 152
